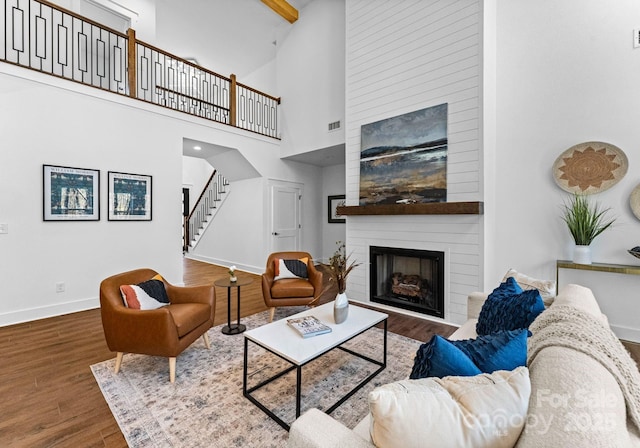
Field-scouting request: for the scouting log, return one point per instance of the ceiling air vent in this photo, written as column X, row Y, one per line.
column 334, row 126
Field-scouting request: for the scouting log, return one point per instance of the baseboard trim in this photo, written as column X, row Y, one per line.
column 43, row 312
column 626, row 333
column 225, row 263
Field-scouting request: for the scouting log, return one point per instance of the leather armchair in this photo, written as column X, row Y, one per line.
column 290, row 291
column 165, row 331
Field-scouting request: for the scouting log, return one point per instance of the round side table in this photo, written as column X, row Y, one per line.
column 230, row 328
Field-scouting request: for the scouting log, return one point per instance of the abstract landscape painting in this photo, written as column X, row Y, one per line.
column 403, row 160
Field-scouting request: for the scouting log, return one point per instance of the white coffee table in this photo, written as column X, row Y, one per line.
column 283, row 341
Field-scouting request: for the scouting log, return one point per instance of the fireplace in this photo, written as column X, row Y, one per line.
column 408, row 278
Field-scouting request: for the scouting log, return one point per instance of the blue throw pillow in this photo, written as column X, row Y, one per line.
column 508, row 288
column 509, row 312
column 440, row 358
column 504, row 350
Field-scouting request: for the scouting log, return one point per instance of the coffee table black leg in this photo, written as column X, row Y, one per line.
column 298, row 387
column 245, row 368
column 384, row 361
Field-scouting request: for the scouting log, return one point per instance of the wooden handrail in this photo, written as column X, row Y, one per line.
column 206, row 186
column 136, row 80
column 244, row 86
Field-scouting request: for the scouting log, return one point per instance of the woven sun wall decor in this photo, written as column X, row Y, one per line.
column 590, row 167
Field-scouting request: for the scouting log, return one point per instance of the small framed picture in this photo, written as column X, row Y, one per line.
column 334, row 202
column 70, row 194
column 129, row 197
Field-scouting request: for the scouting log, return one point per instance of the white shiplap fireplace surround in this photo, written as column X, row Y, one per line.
column 456, row 235
column 399, row 60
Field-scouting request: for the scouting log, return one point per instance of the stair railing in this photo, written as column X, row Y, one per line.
column 45, row 37
column 202, row 211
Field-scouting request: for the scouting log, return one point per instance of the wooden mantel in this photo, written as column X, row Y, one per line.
column 431, row 208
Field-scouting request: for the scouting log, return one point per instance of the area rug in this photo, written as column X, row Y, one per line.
column 205, row 406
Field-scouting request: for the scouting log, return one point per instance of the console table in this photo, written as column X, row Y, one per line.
column 600, row 267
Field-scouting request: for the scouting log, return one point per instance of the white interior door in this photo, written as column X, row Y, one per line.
column 285, row 217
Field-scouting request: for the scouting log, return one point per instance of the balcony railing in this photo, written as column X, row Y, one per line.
column 47, row 38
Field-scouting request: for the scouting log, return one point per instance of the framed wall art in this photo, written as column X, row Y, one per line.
column 129, row 197
column 70, row 194
column 333, row 203
column 403, row 159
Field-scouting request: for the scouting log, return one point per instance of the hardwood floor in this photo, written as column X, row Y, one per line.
column 49, row 395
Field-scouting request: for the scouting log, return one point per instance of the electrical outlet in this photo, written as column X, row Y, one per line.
column 636, row 38
column 60, row 287
column 4, row 227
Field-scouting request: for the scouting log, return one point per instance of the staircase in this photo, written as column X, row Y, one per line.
column 208, row 204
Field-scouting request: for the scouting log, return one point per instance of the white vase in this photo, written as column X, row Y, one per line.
column 582, row 254
column 340, row 308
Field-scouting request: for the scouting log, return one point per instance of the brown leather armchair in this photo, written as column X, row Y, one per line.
column 165, row 331
column 290, row 291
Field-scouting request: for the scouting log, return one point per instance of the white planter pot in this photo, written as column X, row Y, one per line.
column 340, row 308
column 582, row 255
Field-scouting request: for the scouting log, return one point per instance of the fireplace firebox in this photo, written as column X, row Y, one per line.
column 408, row 278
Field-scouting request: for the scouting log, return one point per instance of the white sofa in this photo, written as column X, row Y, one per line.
column 575, row 401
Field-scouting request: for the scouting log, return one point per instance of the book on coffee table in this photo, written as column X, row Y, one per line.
column 308, row 326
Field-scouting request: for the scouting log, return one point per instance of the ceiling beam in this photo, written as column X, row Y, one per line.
column 283, row 8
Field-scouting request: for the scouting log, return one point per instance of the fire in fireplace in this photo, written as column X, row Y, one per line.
column 408, row 278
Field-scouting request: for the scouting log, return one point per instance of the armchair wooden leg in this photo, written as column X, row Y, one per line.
column 172, row 369
column 118, row 361
column 272, row 312
column 206, row 340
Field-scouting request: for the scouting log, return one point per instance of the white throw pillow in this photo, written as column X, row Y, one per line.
column 487, row 410
column 290, row 268
column 547, row 288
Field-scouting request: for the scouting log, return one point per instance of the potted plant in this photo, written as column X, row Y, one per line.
column 585, row 221
column 339, row 267
column 232, row 274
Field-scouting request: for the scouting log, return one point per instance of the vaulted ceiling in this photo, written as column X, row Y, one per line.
column 226, row 36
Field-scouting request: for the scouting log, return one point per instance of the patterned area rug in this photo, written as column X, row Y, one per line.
column 205, row 406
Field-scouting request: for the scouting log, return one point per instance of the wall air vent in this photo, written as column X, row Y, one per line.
column 334, row 126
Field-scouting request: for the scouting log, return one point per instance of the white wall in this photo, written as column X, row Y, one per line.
column 263, row 78
column 46, row 120
column 195, row 175
column 235, row 236
column 240, row 231
column 333, row 183
column 401, row 57
column 566, row 73
column 41, row 124
column 310, row 69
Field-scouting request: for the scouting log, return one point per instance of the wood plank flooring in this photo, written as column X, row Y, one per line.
column 48, row 395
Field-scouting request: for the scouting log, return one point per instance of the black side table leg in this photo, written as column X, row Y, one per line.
column 238, row 288
column 230, row 328
column 229, row 307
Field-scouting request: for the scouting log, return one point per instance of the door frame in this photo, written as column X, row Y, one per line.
column 272, row 183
